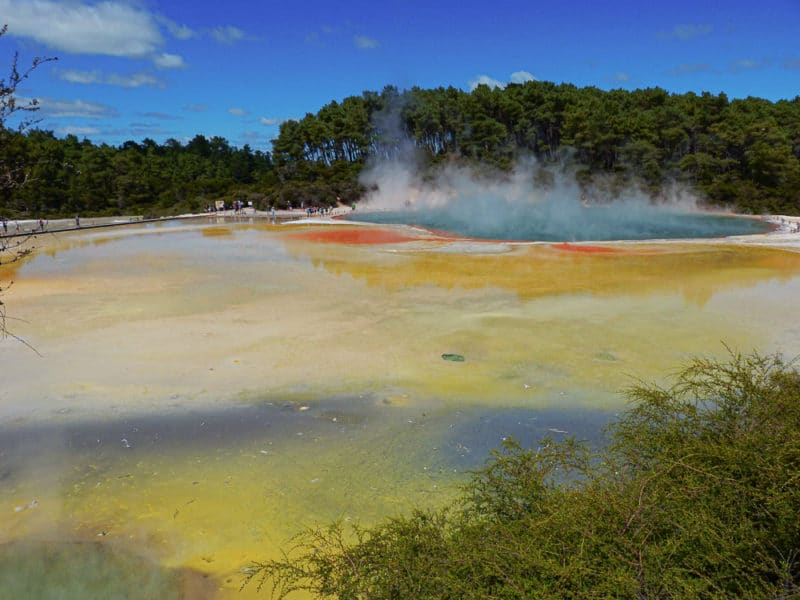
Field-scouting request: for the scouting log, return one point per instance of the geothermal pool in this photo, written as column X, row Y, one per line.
column 552, row 222
column 203, row 390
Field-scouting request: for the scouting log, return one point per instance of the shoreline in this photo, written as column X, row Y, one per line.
column 785, row 228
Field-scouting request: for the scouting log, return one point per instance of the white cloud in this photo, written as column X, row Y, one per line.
column 112, row 28
column 686, row 32
column 522, row 77
column 77, row 131
column 51, row 107
column 133, row 80
column 516, row 77
column 622, row 77
column 269, row 122
column 365, row 43
column 145, row 130
column 227, row 34
column 180, row 32
column 238, row 112
column 83, row 77
column 252, row 136
column 160, row 115
column 196, row 107
column 686, row 69
column 485, row 80
column 749, row 65
column 169, row 61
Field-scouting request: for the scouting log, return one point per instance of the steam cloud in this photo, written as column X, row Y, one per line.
column 529, row 203
column 532, row 202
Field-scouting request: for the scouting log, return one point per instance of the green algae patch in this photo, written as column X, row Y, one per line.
column 78, row 570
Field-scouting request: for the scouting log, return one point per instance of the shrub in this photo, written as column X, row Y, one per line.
column 695, row 495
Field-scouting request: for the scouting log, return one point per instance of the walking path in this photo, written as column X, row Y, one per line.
column 31, row 226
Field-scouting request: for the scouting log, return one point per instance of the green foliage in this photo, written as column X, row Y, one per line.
column 695, row 495
column 742, row 154
column 66, row 176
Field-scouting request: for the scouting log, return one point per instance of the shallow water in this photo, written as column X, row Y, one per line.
column 204, row 391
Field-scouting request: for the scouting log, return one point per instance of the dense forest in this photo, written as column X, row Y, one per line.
column 741, row 154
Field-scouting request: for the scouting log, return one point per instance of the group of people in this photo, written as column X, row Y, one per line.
column 239, row 207
column 788, row 225
column 322, row 211
column 41, row 225
column 5, row 227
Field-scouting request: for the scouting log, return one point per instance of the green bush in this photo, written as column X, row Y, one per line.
column 695, row 495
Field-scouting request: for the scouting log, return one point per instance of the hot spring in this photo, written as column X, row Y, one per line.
column 548, row 223
column 533, row 204
column 203, row 390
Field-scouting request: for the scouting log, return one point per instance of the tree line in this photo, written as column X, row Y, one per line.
column 67, row 176
column 742, row 154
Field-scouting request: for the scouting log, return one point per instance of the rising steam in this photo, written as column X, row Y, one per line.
column 530, row 203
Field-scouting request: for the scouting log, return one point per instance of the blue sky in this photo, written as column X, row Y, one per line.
column 158, row 69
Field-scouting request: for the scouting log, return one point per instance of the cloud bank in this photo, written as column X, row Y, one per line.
column 52, row 107
column 107, row 28
column 133, row 80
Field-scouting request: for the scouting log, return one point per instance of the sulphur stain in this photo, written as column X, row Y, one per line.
column 531, row 271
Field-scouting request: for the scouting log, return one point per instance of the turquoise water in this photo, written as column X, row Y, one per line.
column 548, row 223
